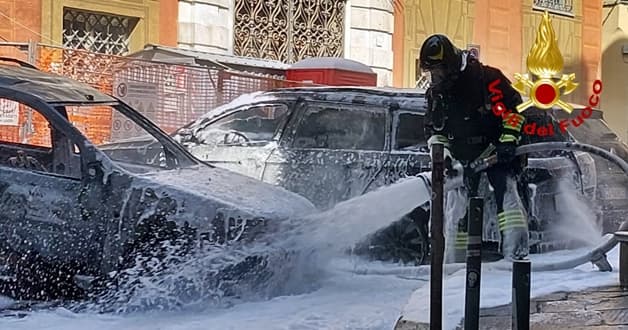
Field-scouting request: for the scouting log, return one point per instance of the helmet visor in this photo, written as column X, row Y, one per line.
column 437, row 73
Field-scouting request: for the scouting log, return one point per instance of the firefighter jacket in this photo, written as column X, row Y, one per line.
column 477, row 109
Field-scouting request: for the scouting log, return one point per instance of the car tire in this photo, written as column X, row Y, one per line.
column 405, row 241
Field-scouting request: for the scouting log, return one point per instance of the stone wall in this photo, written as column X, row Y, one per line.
column 368, row 38
column 206, row 25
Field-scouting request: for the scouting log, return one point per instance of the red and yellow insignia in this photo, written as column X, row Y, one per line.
column 545, row 62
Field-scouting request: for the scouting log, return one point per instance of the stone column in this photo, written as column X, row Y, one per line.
column 369, row 36
column 206, row 25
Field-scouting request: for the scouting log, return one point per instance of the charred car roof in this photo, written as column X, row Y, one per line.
column 51, row 88
column 394, row 98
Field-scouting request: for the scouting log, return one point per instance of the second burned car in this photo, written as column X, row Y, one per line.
column 330, row 144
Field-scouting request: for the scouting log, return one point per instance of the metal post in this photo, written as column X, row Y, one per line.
column 623, row 265
column 622, row 237
column 521, row 295
column 220, row 89
column 438, row 239
column 32, row 52
column 474, row 264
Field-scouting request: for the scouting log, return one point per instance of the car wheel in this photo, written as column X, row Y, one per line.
column 405, row 240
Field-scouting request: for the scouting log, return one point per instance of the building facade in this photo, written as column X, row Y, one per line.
column 386, row 34
column 111, row 27
column 503, row 31
column 614, row 99
column 291, row 30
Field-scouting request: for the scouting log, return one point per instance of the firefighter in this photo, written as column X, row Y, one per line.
column 461, row 114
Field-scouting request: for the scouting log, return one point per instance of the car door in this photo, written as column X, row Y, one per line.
column 332, row 151
column 40, row 195
column 409, row 154
column 242, row 140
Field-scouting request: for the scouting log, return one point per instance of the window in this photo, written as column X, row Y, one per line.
column 37, row 146
column 119, row 137
column 349, row 129
column 564, row 7
column 21, row 124
column 255, row 124
column 124, row 140
column 409, row 131
column 97, row 32
column 289, row 30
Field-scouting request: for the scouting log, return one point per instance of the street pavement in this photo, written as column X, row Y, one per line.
column 600, row 308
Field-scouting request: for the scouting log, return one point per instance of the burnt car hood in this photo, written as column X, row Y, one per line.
column 216, row 185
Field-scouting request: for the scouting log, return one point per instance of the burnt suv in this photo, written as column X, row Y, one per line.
column 79, row 204
column 330, row 144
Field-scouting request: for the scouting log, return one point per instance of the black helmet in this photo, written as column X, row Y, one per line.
column 440, row 57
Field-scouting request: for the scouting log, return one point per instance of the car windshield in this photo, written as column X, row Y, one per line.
column 126, row 137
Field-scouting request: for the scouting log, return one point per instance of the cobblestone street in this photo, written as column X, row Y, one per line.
column 601, row 308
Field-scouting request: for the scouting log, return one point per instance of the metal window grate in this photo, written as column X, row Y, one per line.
column 558, row 6
column 96, row 32
column 289, row 30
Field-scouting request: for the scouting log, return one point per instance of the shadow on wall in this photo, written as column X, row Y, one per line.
column 614, row 98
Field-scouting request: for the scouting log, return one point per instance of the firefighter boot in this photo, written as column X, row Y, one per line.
column 514, row 231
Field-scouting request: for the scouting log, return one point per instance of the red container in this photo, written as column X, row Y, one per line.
column 332, row 71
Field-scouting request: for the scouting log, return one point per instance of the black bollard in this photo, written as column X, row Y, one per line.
column 474, row 264
column 521, row 294
column 438, row 238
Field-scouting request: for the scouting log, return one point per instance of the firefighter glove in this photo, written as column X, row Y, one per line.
column 450, row 162
column 452, row 166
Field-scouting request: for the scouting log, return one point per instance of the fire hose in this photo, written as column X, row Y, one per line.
column 598, row 255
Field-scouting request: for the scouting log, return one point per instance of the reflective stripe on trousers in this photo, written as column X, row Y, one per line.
column 512, row 218
column 461, row 240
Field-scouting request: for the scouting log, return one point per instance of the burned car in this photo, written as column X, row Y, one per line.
column 330, row 144
column 82, row 206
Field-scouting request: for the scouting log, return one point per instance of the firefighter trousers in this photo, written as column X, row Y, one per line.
column 511, row 215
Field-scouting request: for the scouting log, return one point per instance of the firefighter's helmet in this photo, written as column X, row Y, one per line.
column 440, row 58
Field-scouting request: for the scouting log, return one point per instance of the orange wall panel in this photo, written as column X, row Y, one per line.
column 497, row 28
column 168, row 21
column 25, row 22
column 398, row 42
column 591, row 40
column 24, row 25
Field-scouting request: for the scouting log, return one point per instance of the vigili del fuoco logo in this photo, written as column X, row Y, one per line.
column 543, row 85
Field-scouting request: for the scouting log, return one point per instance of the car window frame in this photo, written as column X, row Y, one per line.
column 302, row 107
column 276, row 135
column 186, row 159
column 59, row 123
column 395, row 119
